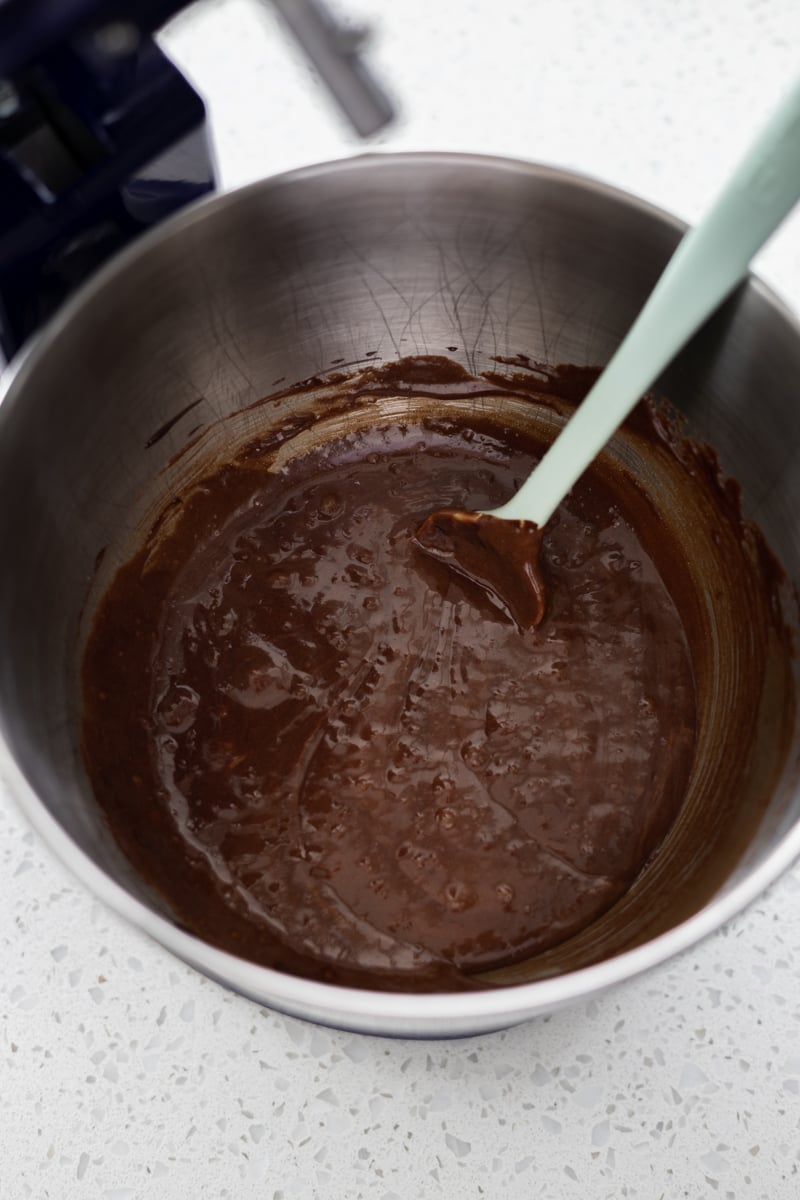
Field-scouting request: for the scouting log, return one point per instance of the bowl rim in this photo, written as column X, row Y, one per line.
column 364, row 1009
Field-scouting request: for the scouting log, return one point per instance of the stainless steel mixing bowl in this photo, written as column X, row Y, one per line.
column 371, row 258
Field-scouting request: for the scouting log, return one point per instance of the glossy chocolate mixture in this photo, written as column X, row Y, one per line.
column 333, row 754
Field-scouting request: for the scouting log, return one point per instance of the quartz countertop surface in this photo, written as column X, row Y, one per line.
column 127, row 1076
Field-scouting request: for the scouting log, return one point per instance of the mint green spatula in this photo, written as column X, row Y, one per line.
column 708, row 264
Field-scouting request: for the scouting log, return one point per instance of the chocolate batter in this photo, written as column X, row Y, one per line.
column 333, row 754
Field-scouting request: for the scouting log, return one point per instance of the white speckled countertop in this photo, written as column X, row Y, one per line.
column 125, row 1076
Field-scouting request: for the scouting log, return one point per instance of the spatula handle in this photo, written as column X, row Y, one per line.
column 710, row 261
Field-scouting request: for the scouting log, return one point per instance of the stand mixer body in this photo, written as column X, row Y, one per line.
column 101, row 136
